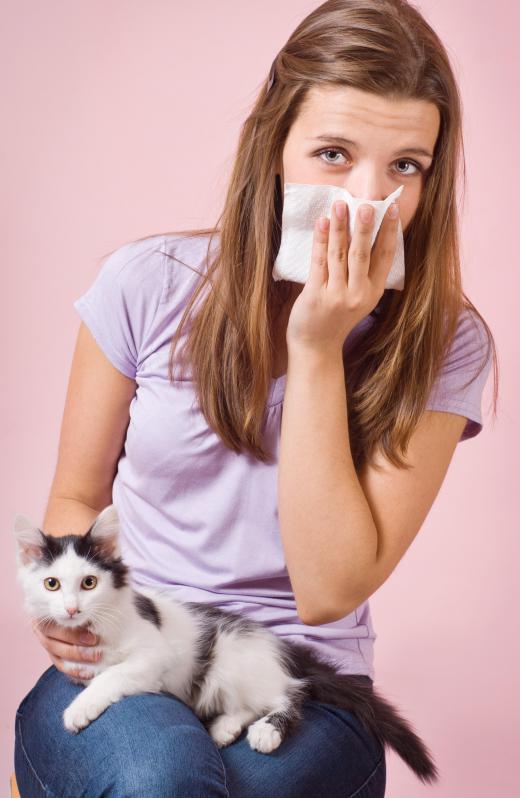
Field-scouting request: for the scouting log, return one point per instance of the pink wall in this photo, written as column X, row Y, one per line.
column 120, row 120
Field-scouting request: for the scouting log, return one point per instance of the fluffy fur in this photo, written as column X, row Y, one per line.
column 231, row 671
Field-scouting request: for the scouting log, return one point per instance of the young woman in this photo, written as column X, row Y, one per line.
column 294, row 519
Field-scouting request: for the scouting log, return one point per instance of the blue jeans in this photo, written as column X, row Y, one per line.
column 154, row 745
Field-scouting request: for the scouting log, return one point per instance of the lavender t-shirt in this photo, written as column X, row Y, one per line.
column 197, row 519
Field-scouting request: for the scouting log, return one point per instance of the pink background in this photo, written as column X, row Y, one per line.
column 120, row 120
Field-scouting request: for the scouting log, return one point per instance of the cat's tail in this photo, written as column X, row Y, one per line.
column 359, row 696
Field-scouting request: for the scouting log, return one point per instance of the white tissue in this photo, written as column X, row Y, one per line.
column 303, row 203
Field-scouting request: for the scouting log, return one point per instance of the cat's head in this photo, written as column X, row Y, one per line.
column 71, row 579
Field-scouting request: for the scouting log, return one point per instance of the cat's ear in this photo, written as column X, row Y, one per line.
column 104, row 532
column 30, row 539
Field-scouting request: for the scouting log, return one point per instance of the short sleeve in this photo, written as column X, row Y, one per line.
column 459, row 386
column 121, row 303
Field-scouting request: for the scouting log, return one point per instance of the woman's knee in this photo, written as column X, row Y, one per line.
column 329, row 753
column 182, row 761
column 143, row 744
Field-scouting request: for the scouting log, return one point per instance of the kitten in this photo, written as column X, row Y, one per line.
column 231, row 671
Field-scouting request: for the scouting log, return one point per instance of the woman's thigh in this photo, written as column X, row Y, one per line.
column 330, row 754
column 153, row 744
column 146, row 744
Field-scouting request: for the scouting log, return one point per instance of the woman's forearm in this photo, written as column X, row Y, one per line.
column 68, row 516
column 328, row 532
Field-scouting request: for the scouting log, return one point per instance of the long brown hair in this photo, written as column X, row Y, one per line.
column 379, row 46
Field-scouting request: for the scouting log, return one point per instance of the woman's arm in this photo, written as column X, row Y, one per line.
column 93, row 430
column 69, row 516
column 327, row 528
column 343, row 536
column 92, row 436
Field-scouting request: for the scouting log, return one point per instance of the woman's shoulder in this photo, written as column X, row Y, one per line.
column 194, row 243
column 154, row 266
column 187, row 259
column 459, row 385
column 140, row 290
column 135, row 266
column 470, row 348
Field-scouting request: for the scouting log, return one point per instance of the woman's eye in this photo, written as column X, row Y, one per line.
column 51, row 583
column 411, row 163
column 89, row 582
column 324, row 152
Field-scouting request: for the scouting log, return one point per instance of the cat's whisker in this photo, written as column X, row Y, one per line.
column 109, row 608
column 108, row 615
column 44, row 622
column 109, row 620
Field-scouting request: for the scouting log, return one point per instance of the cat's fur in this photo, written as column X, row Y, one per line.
column 231, row 671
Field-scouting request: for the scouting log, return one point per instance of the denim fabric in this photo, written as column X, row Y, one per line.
column 154, row 745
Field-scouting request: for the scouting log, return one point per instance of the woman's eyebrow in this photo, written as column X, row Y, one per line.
column 332, row 137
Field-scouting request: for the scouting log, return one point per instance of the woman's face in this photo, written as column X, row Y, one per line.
column 390, row 143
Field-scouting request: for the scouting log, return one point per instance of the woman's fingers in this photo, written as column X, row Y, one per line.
column 64, row 650
column 318, row 269
column 337, row 259
column 76, row 653
column 75, row 674
column 359, row 250
column 338, row 246
column 384, row 249
column 80, row 634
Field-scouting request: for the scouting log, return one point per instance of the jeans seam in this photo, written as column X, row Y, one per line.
column 43, row 678
column 27, row 758
column 224, row 774
column 221, row 763
column 369, row 778
column 206, row 731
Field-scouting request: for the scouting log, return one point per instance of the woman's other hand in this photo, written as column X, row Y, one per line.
column 68, row 645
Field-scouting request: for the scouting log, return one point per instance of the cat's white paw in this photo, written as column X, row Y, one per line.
column 262, row 736
column 224, row 730
column 80, row 713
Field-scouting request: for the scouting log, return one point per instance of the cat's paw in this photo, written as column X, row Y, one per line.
column 224, row 730
column 80, row 713
column 263, row 736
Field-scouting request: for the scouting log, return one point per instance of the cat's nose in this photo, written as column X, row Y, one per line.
column 72, row 611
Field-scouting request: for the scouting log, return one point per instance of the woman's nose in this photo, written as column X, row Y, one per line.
column 367, row 191
column 367, row 184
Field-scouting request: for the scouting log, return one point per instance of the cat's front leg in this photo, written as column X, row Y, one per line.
column 117, row 681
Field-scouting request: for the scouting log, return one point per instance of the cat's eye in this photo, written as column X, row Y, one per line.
column 51, row 583
column 89, row 582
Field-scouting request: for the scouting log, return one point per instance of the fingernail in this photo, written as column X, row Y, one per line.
column 341, row 209
column 393, row 211
column 87, row 637
column 366, row 212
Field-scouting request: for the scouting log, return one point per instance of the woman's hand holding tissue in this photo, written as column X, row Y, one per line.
column 346, row 279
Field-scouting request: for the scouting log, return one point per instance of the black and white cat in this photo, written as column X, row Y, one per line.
column 231, row 671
